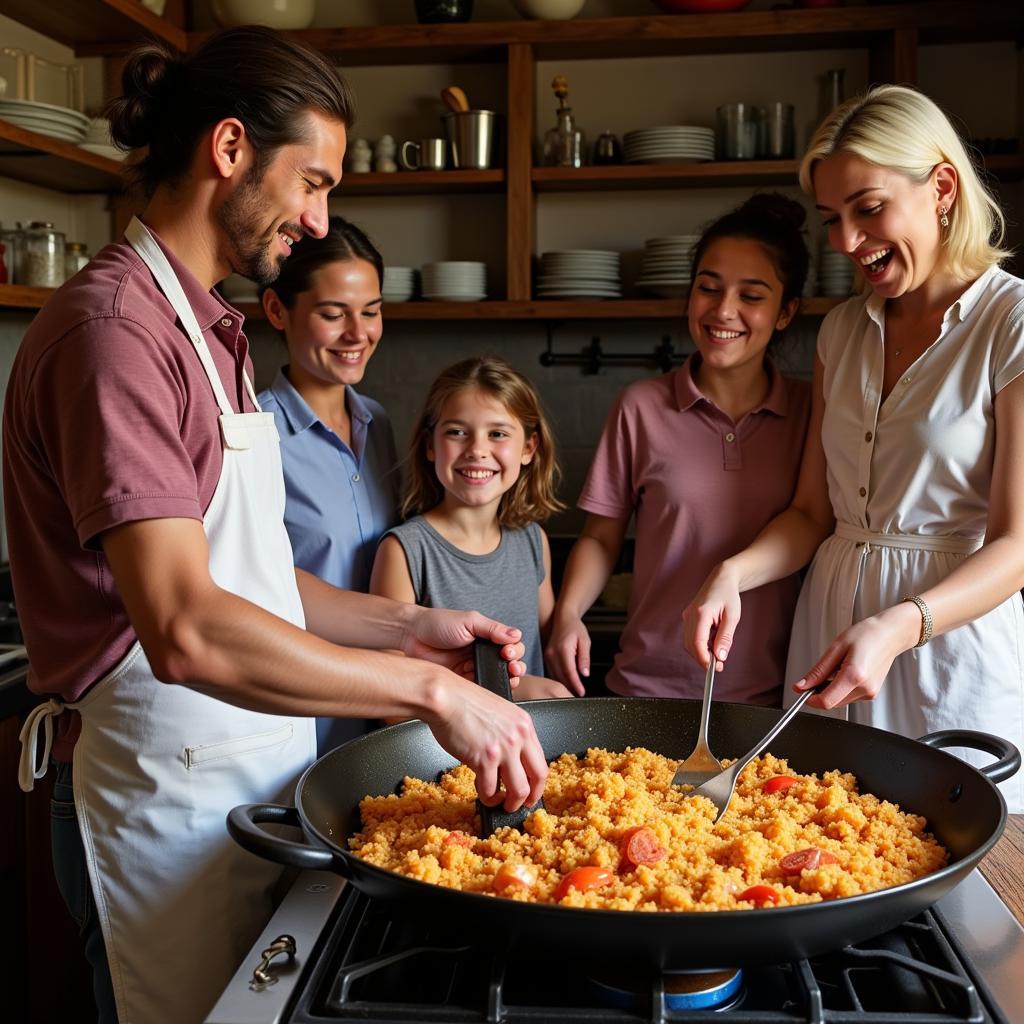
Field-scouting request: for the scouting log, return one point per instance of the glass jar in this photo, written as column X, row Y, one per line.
column 75, row 257
column 44, row 255
column 13, row 240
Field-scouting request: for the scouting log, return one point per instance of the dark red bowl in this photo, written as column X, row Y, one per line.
column 700, row 6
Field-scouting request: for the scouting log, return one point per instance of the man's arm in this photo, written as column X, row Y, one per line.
column 199, row 635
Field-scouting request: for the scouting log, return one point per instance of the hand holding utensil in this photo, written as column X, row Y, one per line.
column 719, row 789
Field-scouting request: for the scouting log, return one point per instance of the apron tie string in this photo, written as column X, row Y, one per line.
column 30, row 767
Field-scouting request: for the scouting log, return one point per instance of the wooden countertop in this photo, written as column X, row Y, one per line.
column 1004, row 866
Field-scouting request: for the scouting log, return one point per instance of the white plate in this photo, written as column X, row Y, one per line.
column 44, row 110
column 453, row 297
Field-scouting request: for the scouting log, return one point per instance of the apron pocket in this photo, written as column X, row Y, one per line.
column 209, row 753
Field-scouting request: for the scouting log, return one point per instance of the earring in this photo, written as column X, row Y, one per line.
column 943, row 216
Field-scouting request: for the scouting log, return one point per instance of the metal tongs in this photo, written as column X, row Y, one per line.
column 719, row 788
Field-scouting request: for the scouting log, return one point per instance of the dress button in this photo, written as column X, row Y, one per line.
column 863, row 492
column 906, row 380
column 226, row 322
column 859, row 544
column 730, row 437
column 355, row 477
column 868, row 436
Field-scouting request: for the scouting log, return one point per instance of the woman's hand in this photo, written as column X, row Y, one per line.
column 567, row 655
column 445, row 638
column 714, row 611
column 541, row 688
column 859, row 659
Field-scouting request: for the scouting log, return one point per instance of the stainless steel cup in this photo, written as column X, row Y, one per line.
column 779, row 135
column 738, row 131
column 430, row 155
column 471, row 135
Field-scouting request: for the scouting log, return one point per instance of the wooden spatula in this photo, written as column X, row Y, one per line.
column 455, row 99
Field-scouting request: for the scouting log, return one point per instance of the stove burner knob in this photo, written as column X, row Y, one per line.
column 261, row 976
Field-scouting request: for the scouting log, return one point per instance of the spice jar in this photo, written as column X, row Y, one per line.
column 13, row 240
column 44, row 255
column 75, row 257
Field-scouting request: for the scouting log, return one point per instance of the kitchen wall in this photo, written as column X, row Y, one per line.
column 978, row 83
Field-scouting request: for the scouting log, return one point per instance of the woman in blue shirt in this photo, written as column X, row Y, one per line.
column 337, row 446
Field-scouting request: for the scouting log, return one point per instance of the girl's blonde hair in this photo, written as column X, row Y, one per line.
column 532, row 498
column 902, row 129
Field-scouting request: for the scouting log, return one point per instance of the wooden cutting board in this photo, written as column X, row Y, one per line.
column 1004, row 865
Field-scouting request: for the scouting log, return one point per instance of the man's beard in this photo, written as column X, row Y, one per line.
column 241, row 216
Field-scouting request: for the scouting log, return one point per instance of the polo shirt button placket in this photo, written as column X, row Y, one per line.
column 226, row 322
column 732, row 455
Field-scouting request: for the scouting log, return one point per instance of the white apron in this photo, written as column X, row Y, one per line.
column 158, row 766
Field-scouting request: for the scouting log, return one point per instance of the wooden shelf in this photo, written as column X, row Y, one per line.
column 21, row 296
column 619, row 309
column 421, row 183
column 94, row 27
column 41, row 160
column 737, row 32
column 644, row 176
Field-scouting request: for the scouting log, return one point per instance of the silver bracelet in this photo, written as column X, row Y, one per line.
column 926, row 619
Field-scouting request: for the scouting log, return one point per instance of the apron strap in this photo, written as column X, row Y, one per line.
column 153, row 256
column 31, row 767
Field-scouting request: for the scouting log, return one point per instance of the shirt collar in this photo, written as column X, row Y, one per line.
column 688, row 394
column 209, row 308
column 961, row 307
column 298, row 412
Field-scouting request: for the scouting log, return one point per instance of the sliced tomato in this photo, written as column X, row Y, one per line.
column 514, row 876
column 759, row 894
column 640, row 846
column 777, row 783
column 583, row 879
column 810, row 858
column 457, row 839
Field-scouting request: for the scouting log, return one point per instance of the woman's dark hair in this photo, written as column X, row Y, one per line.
column 776, row 222
column 264, row 78
column 342, row 243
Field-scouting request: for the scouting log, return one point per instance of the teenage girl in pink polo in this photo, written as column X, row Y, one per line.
column 704, row 457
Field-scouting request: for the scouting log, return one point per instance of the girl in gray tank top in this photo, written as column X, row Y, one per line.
column 482, row 474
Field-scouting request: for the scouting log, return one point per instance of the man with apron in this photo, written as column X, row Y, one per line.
column 144, row 502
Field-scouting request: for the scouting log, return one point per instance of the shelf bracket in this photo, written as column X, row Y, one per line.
column 593, row 358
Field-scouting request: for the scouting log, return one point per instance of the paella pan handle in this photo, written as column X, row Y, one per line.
column 491, row 668
column 244, row 822
column 1008, row 755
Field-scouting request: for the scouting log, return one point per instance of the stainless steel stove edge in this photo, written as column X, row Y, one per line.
column 303, row 914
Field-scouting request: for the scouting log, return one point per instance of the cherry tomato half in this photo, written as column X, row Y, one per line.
column 583, row 879
column 640, row 846
column 457, row 839
column 760, row 894
column 778, row 783
column 514, row 876
column 809, row 858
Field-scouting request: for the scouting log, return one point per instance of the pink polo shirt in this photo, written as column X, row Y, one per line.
column 702, row 488
column 109, row 419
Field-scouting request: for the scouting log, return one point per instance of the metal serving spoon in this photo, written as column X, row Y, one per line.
column 719, row 789
column 701, row 765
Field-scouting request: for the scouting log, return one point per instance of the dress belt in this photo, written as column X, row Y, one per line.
column 911, row 541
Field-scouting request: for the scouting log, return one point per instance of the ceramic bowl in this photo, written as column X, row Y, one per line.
column 272, row 13
column 549, row 10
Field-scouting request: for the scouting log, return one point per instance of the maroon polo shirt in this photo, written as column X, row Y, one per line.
column 109, row 418
column 702, row 488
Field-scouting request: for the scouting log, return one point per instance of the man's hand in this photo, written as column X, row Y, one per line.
column 446, row 638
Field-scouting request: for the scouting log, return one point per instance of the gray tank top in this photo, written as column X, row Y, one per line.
column 502, row 585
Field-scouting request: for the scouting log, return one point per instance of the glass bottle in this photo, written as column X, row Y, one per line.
column 44, row 255
column 564, row 145
column 13, row 240
column 75, row 257
column 833, row 91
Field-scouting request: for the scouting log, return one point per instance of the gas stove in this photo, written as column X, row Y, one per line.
column 330, row 953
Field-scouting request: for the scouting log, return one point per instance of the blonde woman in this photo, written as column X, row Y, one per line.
column 482, row 472
column 911, row 491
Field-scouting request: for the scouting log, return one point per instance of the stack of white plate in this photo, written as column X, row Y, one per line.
column 835, row 274
column 45, row 118
column 455, row 281
column 675, row 144
column 666, row 265
column 399, row 284
column 97, row 140
column 580, row 274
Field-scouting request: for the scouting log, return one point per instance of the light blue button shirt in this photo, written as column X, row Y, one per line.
column 339, row 500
